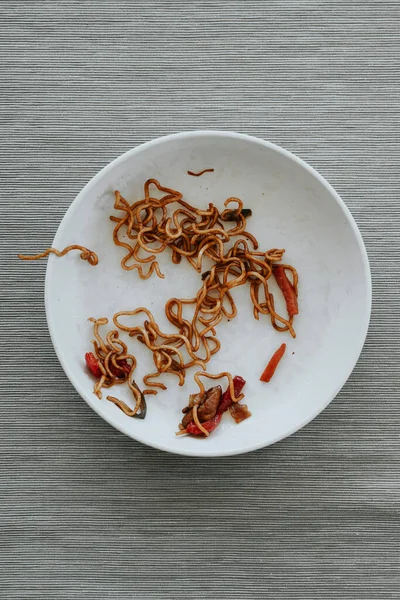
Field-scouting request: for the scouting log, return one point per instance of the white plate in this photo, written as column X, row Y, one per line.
column 293, row 208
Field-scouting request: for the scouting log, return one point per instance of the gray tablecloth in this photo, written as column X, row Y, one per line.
column 87, row 513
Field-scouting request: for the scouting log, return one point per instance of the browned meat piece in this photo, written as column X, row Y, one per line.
column 195, row 399
column 208, row 406
column 239, row 412
column 208, row 409
column 187, row 418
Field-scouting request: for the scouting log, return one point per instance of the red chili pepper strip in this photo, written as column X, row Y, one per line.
column 92, row 364
column 287, row 289
column 226, row 401
column 208, row 425
column 273, row 363
column 125, row 366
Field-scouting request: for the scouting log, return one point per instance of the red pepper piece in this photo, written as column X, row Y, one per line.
column 226, row 401
column 208, row 425
column 125, row 366
column 273, row 363
column 287, row 289
column 92, row 364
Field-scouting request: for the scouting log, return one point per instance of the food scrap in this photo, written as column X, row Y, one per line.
column 273, row 363
column 288, row 289
column 200, row 173
column 111, row 365
column 204, row 411
column 239, row 412
column 86, row 254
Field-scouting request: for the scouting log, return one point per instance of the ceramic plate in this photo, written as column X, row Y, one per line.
column 293, row 208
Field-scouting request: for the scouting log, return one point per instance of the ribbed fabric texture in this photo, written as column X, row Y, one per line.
column 86, row 513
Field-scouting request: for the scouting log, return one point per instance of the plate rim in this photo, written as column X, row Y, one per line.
column 200, row 452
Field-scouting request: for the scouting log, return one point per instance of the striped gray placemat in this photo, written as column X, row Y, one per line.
column 86, row 513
